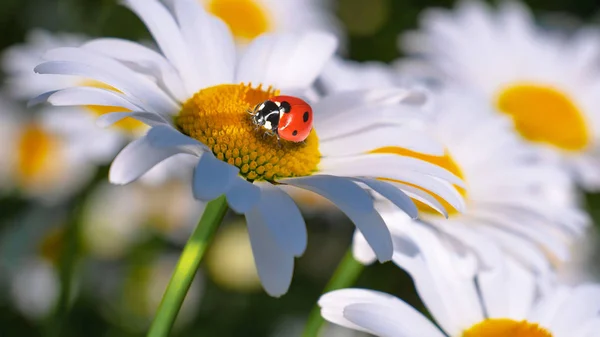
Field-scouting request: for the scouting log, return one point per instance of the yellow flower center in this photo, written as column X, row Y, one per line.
column 218, row 117
column 128, row 125
column 545, row 115
column 246, row 18
column 38, row 156
column 445, row 161
column 506, row 328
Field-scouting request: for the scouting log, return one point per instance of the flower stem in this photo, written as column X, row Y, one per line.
column 344, row 276
column 186, row 267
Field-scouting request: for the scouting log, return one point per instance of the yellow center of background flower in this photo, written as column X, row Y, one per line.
column 128, row 125
column 506, row 328
column 38, row 155
column 246, row 18
column 545, row 115
column 218, row 117
column 445, row 161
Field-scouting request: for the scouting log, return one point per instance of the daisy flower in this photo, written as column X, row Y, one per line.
column 516, row 202
column 38, row 160
column 546, row 82
column 196, row 95
column 248, row 19
column 462, row 303
column 515, row 199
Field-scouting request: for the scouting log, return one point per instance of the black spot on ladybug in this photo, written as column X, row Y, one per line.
column 286, row 107
column 295, row 132
column 305, row 116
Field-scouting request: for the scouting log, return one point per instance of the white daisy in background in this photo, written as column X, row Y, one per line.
column 463, row 303
column 546, row 82
column 38, row 161
column 196, row 95
column 248, row 19
column 116, row 218
column 514, row 198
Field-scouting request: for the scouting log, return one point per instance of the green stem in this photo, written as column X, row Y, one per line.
column 186, row 267
column 344, row 276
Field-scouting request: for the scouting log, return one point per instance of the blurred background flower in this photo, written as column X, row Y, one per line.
column 54, row 189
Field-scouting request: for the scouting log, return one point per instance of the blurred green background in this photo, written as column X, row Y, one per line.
column 100, row 310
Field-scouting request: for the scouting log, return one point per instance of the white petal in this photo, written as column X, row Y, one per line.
column 136, row 159
column 286, row 61
column 329, row 126
column 91, row 96
column 444, row 279
column 385, row 323
column 377, row 313
column 352, row 103
column 387, row 166
column 508, row 291
column 168, row 36
column 162, row 136
column 423, row 197
column 81, row 62
column 489, row 253
column 213, row 177
column 242, row 196
column 283, row 218
column 142, row 59
column 363, row 140
column 588, row 329
column 148, row 118
column 437, row 187
column 209, row 41
column 393, row 194
column 356, row 204
column 275, row 266
column 583, row 304
column 523, row 250
column 361, row 250
column 549, row 306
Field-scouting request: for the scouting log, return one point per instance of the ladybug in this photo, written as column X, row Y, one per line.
column 285, row 117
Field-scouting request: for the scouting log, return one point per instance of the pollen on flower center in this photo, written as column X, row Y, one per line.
column 218, row 117
column 546, row 115
column 504, row 328
column 446, row 161
column 246, row 18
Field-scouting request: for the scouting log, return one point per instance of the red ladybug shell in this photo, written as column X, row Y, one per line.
column 295, row 122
